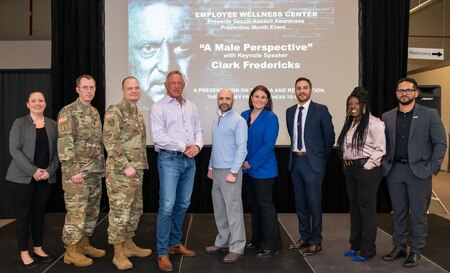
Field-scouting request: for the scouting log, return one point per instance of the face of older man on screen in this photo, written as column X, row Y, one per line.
column 159, row 41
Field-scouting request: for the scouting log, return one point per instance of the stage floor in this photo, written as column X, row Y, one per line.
column 200, row 232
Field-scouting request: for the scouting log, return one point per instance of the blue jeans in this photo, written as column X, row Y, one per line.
column 176, row 180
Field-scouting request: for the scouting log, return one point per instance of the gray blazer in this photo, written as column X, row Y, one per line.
column 426, row 145
column 22, row 140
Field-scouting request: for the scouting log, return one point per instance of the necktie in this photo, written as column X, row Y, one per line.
column 299, row 128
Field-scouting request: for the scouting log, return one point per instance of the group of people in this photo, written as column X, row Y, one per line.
column 407, row 146
column 77, row 140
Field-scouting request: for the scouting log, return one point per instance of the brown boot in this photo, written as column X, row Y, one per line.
column 72, row 256
column 130, row 249
column 120, row 260
column 85, row 247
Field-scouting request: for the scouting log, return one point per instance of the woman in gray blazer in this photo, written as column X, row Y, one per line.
column 32, row 144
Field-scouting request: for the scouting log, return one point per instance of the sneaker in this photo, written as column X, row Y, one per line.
column 350, row 253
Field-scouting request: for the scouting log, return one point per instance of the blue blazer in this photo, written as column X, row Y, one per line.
column 426, row 145
column 262, row 135
column 318, row 134
column 22, row 140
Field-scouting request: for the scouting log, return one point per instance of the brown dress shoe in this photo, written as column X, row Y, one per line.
column 313, row 250
column 164, row 263
column 181, row 249
column 299, row 245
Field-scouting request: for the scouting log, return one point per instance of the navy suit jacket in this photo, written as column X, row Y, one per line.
column 426, row 145
column 262, row 135
column 318, row 135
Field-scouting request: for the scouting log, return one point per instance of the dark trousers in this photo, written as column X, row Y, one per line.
column 362, row 186
column 409, row 193
column 30, row 201
column 265, row 229
column 308, row 199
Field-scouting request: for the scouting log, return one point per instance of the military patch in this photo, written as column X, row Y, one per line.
column 109, row 115
column 64, row 125
column 111, row 122
column 62, row 119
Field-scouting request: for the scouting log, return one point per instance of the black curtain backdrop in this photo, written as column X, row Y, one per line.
column 384, row 30
column 78, row 48
column 14, row 88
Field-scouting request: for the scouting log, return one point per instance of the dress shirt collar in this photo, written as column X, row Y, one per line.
column 168, row 99
column 219, row 113
column 305, row 105
column 412, row 110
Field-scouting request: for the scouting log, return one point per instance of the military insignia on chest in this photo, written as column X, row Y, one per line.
column 111, row 122
column 109, row 119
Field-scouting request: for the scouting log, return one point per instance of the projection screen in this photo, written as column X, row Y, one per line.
column 234, row 44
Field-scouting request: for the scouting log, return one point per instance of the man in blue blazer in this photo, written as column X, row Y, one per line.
column 312, row 137
column 415, row 149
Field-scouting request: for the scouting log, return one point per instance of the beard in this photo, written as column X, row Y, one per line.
column 406, row 102
column 225, row 107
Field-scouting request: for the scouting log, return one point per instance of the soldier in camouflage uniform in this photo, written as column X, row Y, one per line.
column 124, row 138
column 80, row 150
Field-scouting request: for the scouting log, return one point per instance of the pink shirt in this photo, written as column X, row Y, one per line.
column 374, row 147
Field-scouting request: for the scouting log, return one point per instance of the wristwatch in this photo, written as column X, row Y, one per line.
column 233, row 174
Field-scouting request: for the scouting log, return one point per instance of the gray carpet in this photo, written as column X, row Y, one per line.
column 336, row 229
column 200, row 232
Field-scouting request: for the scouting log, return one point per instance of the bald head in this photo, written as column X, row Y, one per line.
column 225, row 100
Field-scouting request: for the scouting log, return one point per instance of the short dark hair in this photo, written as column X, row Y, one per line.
column 126, row 78
column 265, row 90
column 410, row 80
column 89, row 77
column 304, row 79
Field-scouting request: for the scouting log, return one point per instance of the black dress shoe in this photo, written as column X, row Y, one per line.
column 253, row 245
column 266, row 253
column 394, row 254
column 313, row 250
column 299, row 245
column 43, row 259
column 32, row 265
column 412, row 260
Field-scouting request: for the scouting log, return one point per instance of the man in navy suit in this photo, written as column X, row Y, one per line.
column 415, row 149
column 312, row 137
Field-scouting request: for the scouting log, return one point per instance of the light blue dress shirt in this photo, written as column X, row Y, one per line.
column 173, row 127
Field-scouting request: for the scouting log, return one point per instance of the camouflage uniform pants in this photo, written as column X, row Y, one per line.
column 125, row 204
column 83, row 206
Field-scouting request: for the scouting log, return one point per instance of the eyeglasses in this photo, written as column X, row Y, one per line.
column 407, row 91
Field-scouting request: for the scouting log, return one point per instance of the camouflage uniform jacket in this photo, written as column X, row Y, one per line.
column 80, row 143
column 124, row 137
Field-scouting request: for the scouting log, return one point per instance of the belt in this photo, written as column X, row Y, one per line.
column 172, row 152
column 356, row 162
column 402, row 161
column 299, row 154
